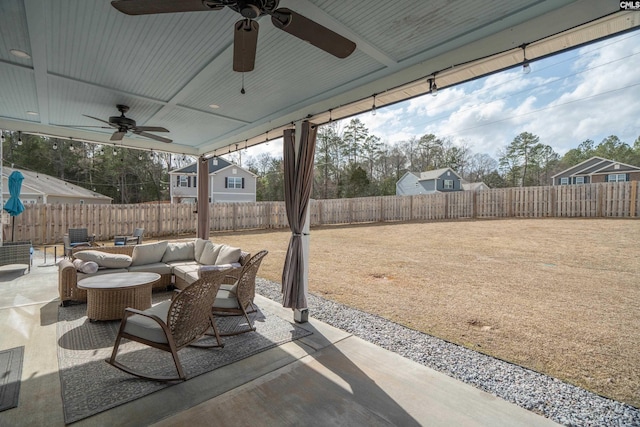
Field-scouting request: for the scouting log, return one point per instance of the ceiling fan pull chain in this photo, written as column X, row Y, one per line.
column 242, row 91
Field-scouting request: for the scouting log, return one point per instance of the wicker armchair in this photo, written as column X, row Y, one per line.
column 172, row 325
column 237, row 298
column 16, row 253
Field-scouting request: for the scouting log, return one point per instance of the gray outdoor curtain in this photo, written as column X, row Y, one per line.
column 298, row 178
column 203, row 198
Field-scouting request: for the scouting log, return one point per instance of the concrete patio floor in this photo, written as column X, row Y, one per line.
column 328, row 378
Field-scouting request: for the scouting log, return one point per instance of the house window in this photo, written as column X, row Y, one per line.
column 183, row 181
column 234, row 182
column 564, row 181
column 579, row 179
column 617, row 177
column 448, row 184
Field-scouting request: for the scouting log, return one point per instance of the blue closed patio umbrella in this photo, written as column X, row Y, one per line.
column 14, row 205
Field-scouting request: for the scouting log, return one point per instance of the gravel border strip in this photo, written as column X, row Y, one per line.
column 562, row 402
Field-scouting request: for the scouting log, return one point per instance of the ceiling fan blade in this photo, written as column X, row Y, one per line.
column 147, row 7
column 312, row 32
column 117, row 136
column 100, row 120
column 149, row 129
column 80, row 126
column 149, row 135
column 245, row 43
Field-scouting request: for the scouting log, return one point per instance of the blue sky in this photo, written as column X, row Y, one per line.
column 586, row 93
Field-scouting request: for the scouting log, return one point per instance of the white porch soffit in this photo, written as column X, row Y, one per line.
column 449, row 73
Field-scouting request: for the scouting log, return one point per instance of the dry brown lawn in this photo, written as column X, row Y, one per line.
column 559, row 296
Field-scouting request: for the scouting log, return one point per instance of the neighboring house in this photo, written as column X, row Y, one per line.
column 227, row 183
column 435, row 181
column 43, row 189
column 474, row 186
column 596, row 169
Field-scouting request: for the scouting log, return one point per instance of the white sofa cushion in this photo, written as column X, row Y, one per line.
column 179, row 251
column 156, row 267
column 209, row 253
column 104, row 259
column 183, row 271
column 227, row 255
column 199, row 247
column 148, row 253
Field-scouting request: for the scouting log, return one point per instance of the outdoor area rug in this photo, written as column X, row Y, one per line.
column 10, row 376
column 90, row 385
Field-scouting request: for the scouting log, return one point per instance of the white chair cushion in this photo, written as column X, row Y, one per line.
column 146, row 328
column 225, row 299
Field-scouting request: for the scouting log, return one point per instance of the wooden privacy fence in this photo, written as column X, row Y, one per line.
column 45, row 224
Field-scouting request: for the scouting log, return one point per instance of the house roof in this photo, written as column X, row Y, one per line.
column 175, row 69
column 433, row 174
column 216, row 164
column 596, row 165
column 472, row 186
column 36, row 183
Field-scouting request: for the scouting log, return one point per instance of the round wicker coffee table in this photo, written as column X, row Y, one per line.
column 109, row 294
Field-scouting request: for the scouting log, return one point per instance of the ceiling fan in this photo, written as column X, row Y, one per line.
column 246, row 30
column 124, row 124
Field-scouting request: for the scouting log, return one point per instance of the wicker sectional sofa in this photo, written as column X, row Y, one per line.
column 178, row 263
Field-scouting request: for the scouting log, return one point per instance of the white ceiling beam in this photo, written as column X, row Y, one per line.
column 311, row 11
column 35, row 11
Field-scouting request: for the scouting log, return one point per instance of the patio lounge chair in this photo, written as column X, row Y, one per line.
column 134, row 239
column 237, row 298
column 172, row 325
column 76, row 237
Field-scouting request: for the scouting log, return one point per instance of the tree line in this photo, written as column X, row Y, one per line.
column 352, row 162
column 126, row 175
column 349, row 162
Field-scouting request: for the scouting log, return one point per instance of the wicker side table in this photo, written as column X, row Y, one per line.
column 109, row 294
